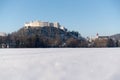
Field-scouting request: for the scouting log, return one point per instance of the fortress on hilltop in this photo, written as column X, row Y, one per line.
column 41, row 24
column 37, row 23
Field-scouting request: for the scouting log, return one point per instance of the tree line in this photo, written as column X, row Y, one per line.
column 51, row 37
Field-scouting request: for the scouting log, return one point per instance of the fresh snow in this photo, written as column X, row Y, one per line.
column 60, row 64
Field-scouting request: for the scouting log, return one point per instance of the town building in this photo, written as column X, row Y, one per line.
column 98, row 41
column 102, row 37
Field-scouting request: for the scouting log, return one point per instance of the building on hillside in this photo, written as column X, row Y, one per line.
column 56, row 24
column 41, row 24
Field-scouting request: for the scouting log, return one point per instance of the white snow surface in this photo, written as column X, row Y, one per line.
column 60, row 64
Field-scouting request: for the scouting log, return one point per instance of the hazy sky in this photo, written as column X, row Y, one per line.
column 86, row 16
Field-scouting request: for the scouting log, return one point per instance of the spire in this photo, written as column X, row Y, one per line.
column 97, row 35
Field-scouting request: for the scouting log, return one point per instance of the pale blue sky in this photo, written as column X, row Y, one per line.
column 86, row 16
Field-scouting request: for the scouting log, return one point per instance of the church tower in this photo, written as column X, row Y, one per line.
column 97, row 35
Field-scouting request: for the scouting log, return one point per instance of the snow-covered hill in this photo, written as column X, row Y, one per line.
column 60, row 64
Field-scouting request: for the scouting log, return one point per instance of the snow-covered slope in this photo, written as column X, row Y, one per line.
column 60, row 64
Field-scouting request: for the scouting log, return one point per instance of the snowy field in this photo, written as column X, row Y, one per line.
column 60, row 64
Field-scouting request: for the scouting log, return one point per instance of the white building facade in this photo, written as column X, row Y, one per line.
column 41, row 24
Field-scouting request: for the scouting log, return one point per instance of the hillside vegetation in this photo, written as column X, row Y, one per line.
column 43, row 37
